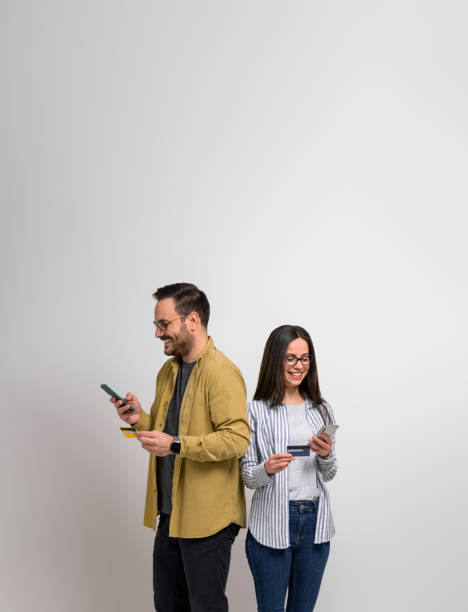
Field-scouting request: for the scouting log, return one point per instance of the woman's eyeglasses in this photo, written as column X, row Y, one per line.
column 291, row 360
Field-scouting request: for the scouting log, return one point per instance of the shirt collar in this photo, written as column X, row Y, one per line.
column 207, row 349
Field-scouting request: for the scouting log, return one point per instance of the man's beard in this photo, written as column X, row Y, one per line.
column 181, row 345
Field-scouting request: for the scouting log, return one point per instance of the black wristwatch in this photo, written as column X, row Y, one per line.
column 175, row 446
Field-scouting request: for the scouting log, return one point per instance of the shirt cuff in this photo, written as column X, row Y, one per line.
column 325, row 461
column 144, row 424
column 261, row 474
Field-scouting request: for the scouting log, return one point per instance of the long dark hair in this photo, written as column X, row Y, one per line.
column 270, row 386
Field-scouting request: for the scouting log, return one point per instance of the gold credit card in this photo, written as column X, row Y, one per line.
column 128, row 432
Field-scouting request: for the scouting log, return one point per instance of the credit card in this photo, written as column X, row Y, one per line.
column 128, row 432
column 299, row 451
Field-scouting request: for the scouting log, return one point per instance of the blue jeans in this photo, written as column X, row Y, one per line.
column 297, row 570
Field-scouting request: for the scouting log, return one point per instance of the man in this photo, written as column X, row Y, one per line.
column 196, row 432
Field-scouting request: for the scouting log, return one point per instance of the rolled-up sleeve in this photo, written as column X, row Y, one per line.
column 228, row 412
column 328, row 466
column 253, row 470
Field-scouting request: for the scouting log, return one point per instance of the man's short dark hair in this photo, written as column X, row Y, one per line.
column 188, row 298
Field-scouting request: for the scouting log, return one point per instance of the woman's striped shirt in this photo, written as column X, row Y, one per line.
column 269, row 513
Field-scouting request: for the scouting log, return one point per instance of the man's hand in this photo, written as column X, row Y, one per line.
column 278, row 462
column 156, row 442
column 122, row 409
column 322, row 446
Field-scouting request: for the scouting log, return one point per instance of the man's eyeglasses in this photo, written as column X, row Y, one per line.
column 291, row 360
column 164, row 323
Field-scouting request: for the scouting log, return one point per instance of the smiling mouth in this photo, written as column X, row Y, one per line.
column 295, row 374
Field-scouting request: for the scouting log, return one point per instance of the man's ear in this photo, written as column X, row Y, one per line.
column 193, row 321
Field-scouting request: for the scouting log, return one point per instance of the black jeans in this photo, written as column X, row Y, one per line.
column 190, row 574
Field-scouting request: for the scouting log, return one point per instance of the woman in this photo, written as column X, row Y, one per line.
column 290, row 522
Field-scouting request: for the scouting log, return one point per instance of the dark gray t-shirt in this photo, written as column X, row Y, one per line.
column 165, row 465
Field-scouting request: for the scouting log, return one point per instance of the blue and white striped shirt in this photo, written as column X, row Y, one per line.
column 269, row 513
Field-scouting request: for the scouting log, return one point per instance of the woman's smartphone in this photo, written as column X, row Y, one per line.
column 117, row 397
column 328, row 430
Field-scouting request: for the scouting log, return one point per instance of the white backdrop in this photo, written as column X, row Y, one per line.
column 302, row 162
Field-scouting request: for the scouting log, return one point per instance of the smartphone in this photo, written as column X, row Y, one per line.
column 117, row 397
column 328, row 430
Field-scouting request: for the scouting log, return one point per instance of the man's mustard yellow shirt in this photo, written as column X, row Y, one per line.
column 207, row 491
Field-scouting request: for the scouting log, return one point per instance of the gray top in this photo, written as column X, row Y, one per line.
column 165, row 465
column 303, row 470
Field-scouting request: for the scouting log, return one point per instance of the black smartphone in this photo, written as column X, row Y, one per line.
column 111, row 392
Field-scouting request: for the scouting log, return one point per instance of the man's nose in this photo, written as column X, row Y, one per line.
column 159, row 332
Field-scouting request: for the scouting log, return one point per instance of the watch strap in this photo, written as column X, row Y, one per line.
column 175, row 445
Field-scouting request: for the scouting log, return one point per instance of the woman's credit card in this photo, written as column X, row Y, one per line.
column 128, row 432
column 299, row 451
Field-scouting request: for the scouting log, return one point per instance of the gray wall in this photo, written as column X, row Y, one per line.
column 302, row 162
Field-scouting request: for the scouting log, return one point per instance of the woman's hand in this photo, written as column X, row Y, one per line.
column 278, row 462
column 322, row 446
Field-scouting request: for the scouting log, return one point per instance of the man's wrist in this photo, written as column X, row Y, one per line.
column 175, row 445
